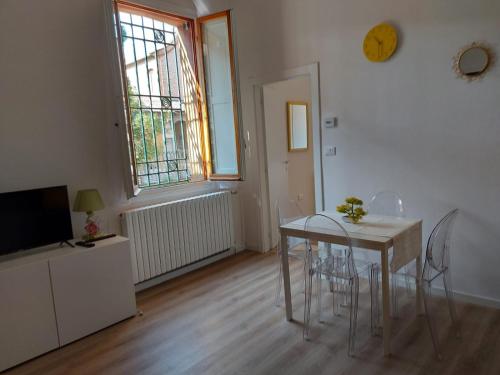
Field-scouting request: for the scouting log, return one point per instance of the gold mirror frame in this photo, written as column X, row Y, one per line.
column 289, row 119
column 473, row 77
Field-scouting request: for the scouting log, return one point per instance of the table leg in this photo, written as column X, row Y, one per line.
column 386, row 302
column 418, row 285
column 286, row 276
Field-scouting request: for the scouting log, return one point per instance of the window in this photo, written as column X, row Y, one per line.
column 220, row 93
column 168, row 140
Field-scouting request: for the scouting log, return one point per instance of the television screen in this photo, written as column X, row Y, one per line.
column 34, row 218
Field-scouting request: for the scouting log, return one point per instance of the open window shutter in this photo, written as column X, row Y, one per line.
column 218, row 78
column 113, row 34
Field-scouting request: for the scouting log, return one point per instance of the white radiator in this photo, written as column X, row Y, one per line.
column 169, row 236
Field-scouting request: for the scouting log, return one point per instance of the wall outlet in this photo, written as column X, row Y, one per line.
column 300, row 197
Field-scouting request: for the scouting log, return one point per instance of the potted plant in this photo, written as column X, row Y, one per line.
column 353, row 210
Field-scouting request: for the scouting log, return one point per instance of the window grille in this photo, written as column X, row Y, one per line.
column 155, row 100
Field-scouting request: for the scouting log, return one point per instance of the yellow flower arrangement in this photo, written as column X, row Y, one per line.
column 355, row 214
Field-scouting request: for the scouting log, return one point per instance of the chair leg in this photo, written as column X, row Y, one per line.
column 426, row 294
column 337, row 287
column 372, row 305
column 353, row 294
column 307, row 299
column 319, row 293
column 332, row 290
column 374, row 299
column 337, row 301
column 279, row 282
column 305, row 333
column 333, row 299
column 395, row 296
column 304, row 270
column 345, row 284
column 356, row 309
column 351, row 319
column 451, row 302
column 407, row 280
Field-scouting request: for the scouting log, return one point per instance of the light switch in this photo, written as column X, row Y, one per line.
column 331, row 151
column 330, row 122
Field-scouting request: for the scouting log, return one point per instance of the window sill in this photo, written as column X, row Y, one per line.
column 153, row 196
column 188, row 188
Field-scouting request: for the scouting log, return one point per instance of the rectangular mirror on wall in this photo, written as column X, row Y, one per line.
column 297, row 123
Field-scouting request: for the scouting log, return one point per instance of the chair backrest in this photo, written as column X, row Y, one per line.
column 287, row 211
column 438, row 246
column 331, row 225
column 387, row 203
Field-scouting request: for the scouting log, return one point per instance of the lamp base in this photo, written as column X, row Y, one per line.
column 88, row 237
column 91, row 228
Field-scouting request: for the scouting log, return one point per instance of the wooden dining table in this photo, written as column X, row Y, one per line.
column 376, row 233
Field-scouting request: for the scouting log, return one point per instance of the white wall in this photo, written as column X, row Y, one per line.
column 408, row 124
column 56, row 112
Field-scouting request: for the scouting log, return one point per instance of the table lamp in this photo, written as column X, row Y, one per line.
column 88, row 201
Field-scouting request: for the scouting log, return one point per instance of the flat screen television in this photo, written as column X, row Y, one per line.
column 34, row 218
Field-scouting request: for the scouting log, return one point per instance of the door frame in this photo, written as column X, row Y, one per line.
column 266, row 206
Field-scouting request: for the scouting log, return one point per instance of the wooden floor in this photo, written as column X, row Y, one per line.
column 221, row 320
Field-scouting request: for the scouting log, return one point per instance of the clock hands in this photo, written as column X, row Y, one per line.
column 379, row 46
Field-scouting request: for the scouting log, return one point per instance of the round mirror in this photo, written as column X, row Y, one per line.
column 473, row 61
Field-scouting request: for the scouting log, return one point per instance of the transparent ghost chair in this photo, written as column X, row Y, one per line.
column 286, row 212
column 333, row 269
column 437, row 264
column 389, row 203
column 341, row 287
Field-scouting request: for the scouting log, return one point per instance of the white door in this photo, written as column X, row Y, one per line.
column 290, row 175
column 277, row 156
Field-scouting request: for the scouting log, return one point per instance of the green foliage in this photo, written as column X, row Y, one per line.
column 354, row 200
column 124, row 33
column 143, row 133
column 343, row 208
column 348, row 208
column 148, row 141
column 136, row 120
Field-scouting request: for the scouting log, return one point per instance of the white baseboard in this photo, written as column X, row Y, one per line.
column 181, row 271
column 240, row 248
column 463, row 297
column 469, row 298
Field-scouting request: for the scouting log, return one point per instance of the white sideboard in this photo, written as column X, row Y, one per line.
column 27, row 320
column 52, row 298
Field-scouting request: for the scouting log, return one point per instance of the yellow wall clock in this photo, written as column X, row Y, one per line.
column 380, row 42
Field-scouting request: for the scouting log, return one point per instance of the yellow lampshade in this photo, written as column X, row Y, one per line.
column 88, row 200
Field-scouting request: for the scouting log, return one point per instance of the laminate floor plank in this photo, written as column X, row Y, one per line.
column 221, row 320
